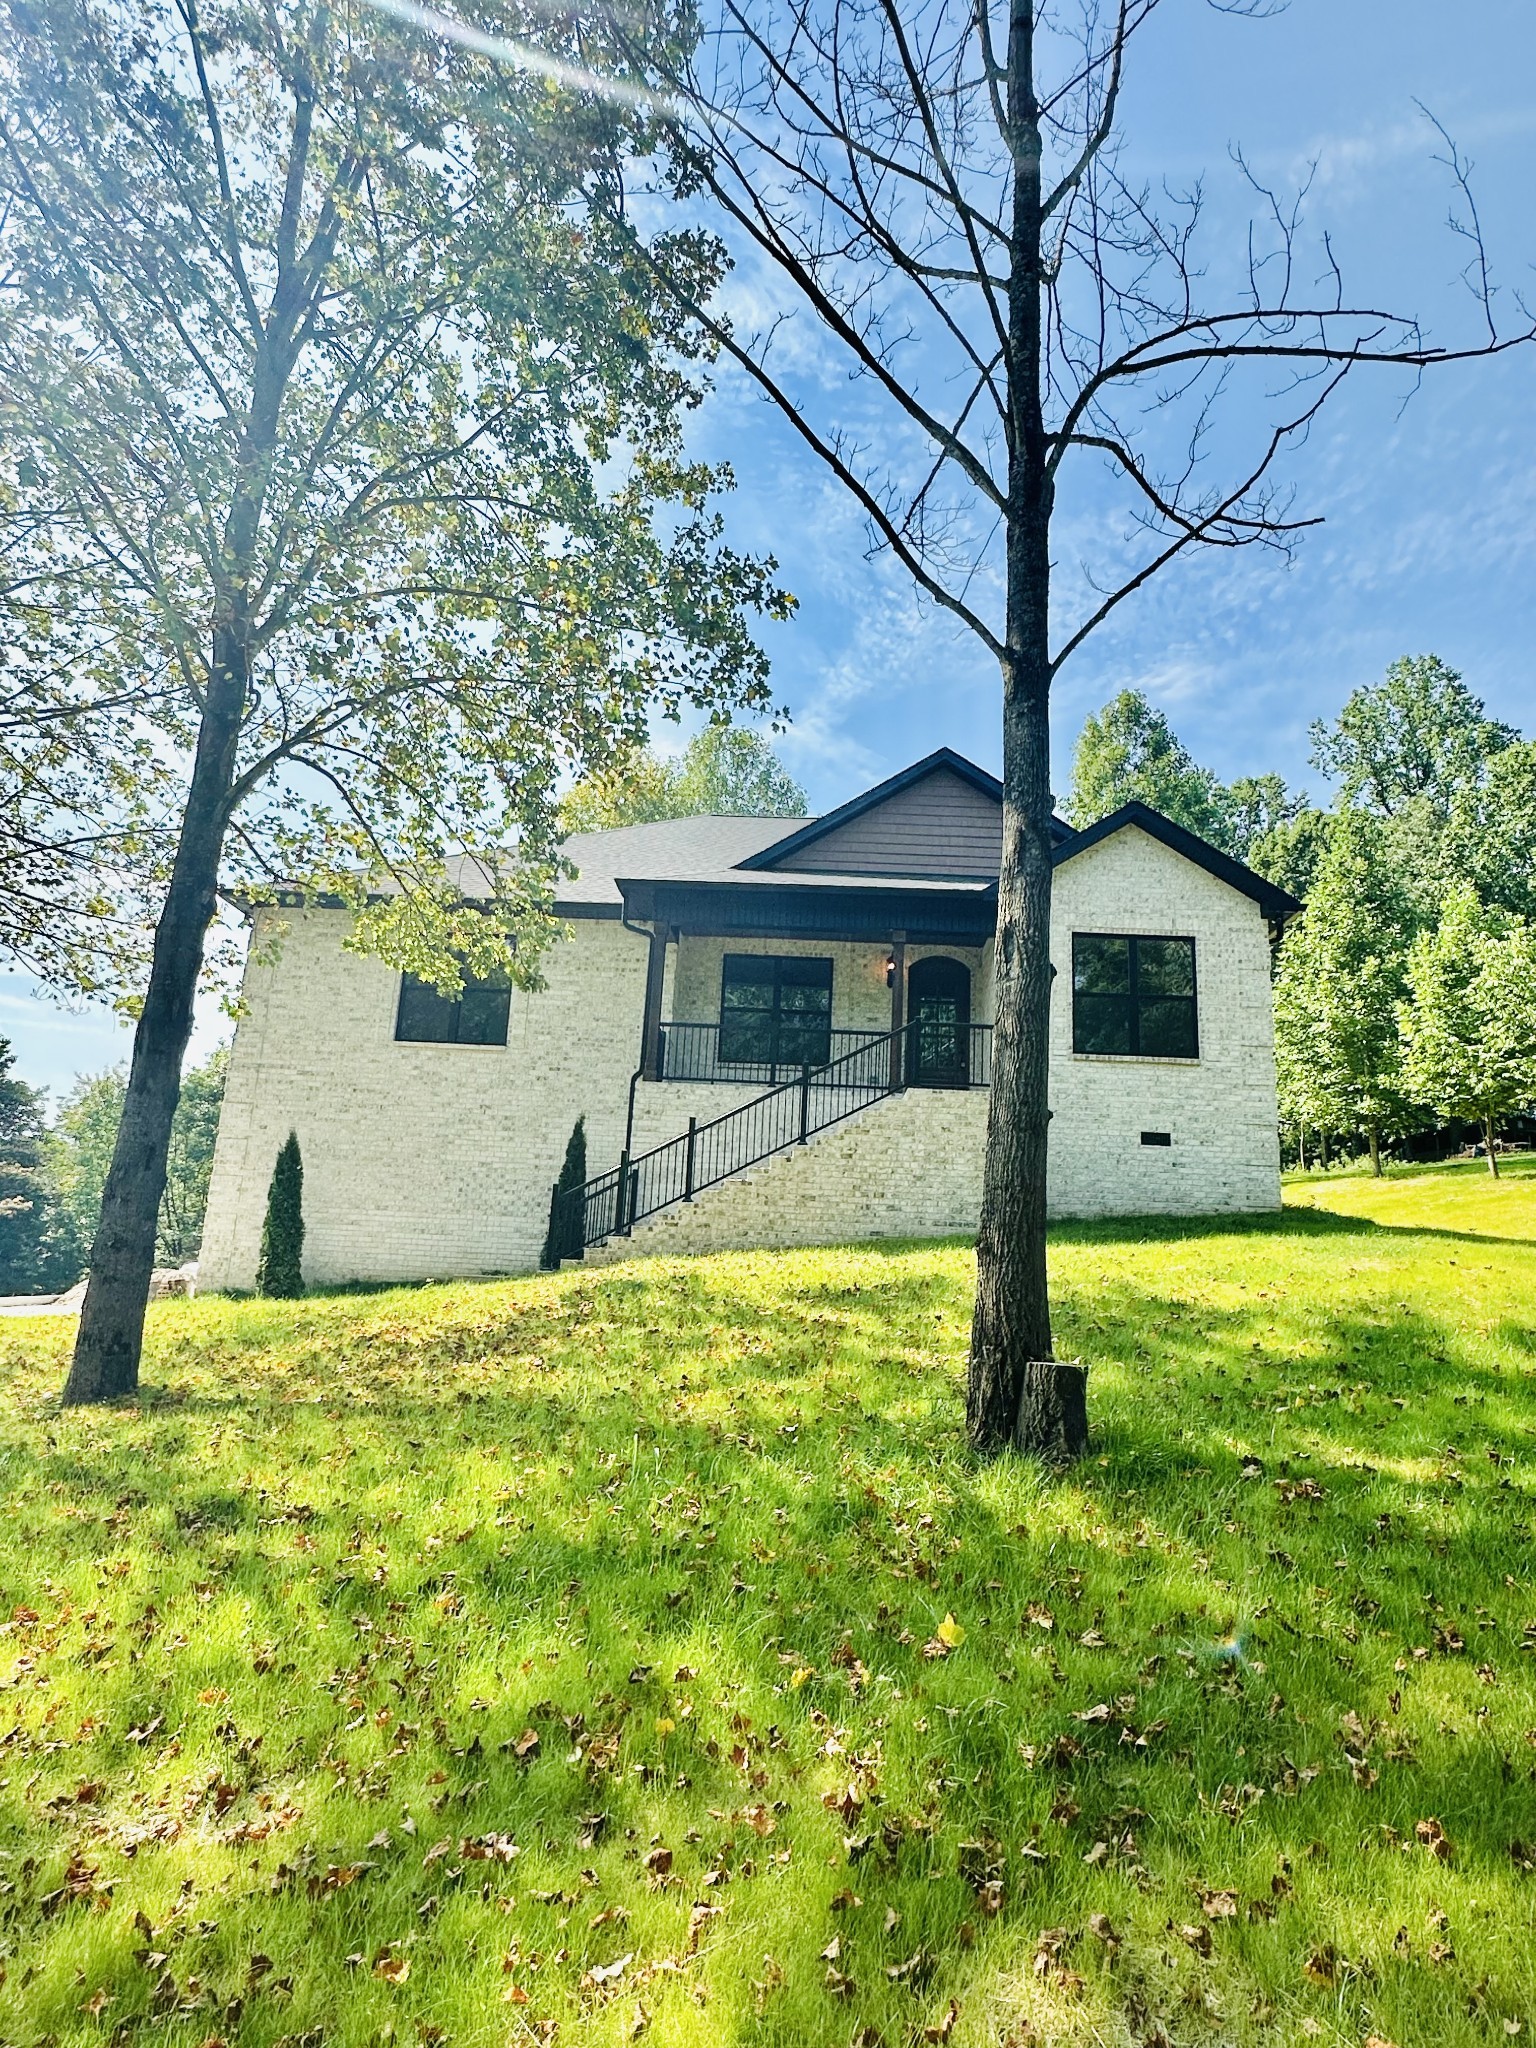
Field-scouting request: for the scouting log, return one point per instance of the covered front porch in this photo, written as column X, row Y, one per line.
column 755, row 984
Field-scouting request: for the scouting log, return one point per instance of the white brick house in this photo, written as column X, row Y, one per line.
column 812, row 998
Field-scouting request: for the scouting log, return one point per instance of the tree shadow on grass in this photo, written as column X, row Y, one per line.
column 507, row 1519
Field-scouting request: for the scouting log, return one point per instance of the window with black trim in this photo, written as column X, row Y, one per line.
column 775, row 1012
column 1134, row 997
column 476, row 1016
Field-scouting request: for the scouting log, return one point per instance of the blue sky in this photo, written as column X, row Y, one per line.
column 1430, row 507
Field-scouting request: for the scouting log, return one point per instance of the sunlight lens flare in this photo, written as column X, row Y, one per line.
column 526, row 58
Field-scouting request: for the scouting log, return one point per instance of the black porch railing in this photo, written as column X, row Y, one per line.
column 711, row 1052
column 923, row 1054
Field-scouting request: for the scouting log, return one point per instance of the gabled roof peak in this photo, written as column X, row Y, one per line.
column 1276, row 903
column 943, row 760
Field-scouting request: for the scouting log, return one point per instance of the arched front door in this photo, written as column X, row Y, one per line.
column 939, row 1010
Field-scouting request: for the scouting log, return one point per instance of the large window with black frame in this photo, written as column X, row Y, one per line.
column 775, row 1012
column 476, row 1016
column 1133, row 997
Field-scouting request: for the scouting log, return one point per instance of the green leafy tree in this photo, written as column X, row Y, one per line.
column 1291, row 850
column 189, row 1162
column 564, row 1238
column 280, row 1264
column 1129, row 751
column 1418, row 737
column 1489, row 837
column 1341, row 977
column 345, row 502
column 724, row 772
column 1469, row 1030
column 36, row 1243
column 80, row 1145
column 1258, row 812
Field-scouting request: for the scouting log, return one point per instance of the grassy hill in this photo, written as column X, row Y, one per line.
column 637, row 1656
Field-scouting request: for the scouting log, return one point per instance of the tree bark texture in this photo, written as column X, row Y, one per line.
column 105, row 1366
column 1373, row 1139
column 1493, row 1156
column 1016, row 1396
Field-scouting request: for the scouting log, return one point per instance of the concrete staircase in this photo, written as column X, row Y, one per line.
column 907, row 1165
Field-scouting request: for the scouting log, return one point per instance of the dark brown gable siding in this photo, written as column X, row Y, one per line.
column 940, row 826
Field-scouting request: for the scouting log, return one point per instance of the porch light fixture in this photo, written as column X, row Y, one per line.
column 890, row 970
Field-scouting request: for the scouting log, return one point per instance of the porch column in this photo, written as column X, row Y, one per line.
column 655, row 978
column 898, row 1004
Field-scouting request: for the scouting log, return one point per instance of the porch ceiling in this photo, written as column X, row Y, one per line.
column 817, row 907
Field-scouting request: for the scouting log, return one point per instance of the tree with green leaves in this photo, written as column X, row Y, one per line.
column 83, row 1136
column 1418, row 736
column 189, row 1161
column 1469, row 1027
column 564, row 1238
column 1129, row 751
column 724, row 771
column 1341, row 976
column 1489, row 836
column 1455, row 788
column 35, row 1239
column 345, row 507
column 1291, row 850
column 280, row 1263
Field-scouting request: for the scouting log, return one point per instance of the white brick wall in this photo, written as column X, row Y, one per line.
column 420, row 1161
column 425, row 1161
column 908, row 1166
column 1219, row 1110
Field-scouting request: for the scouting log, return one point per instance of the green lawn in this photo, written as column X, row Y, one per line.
column 637, row 1656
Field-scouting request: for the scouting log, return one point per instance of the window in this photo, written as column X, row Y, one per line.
column 478, row 1016
column 1134, row 997
column 775, row 1013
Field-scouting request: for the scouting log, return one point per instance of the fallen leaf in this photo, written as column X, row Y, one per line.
column 1102, row 1929
column 1434, row 1838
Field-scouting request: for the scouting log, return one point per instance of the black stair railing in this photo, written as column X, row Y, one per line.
column 815, row 1099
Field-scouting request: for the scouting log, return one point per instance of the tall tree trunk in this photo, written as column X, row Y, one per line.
column 1373, row 1140
column 1015, row 1393
column 105, row 1366
column 1323, row 1147
column 1301, row 1145
column 1493, row 1156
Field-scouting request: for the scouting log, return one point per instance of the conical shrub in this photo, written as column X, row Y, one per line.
column 565, row 1234
column 280, row 1269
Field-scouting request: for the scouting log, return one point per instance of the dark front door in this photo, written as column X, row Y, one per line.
column 939, row 1034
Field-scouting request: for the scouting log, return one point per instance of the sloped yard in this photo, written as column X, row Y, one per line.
column 636, row 1656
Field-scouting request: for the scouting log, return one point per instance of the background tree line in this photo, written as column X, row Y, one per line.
column 53, row 1171
column 1405, row 995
